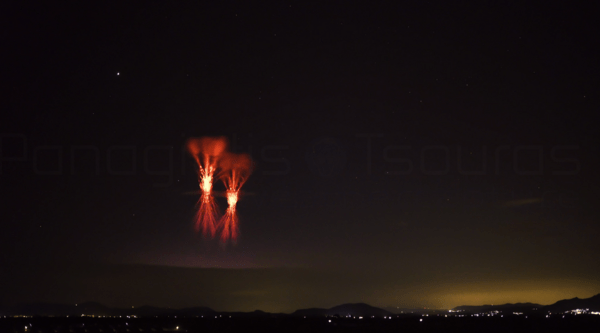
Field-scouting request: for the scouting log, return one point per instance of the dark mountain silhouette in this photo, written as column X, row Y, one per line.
column 592, row 303
column 94, row 308
column 351, row 309
column 311, row 312
column 97, row 309
column 196, row 311
column 50, row 309
column 41, row 309
column 253, row 314
column 418, row 310
column 358, row 309
column 509, row 307
column 149, row 311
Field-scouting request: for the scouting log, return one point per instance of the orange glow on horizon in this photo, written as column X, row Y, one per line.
column 448, row 295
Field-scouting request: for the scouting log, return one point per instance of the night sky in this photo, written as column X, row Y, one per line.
column 407, row 153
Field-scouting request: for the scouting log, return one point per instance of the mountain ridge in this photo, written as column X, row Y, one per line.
column 591, row 303
column 97, row 309
column 342, row 310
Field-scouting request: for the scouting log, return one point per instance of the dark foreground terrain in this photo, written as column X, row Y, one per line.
column 581, row 323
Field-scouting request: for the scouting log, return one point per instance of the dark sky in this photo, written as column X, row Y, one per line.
column 408, row 153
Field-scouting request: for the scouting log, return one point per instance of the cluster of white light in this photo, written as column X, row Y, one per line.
column 491, row 313
column 578, row 311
